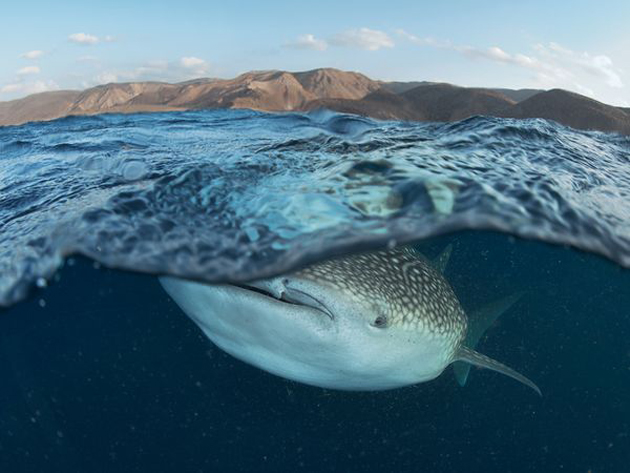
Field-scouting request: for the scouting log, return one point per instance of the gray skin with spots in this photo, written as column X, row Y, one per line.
column 369, row 321
column 402, row 288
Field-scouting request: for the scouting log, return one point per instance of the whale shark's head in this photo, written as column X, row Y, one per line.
column 371, row 321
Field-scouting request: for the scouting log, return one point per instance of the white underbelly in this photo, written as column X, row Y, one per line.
column 290, row 342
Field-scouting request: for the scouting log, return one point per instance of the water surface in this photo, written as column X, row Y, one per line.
column 234, row 195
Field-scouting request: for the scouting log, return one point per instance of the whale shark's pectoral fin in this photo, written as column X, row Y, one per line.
column 478, row 322
column 477, row 359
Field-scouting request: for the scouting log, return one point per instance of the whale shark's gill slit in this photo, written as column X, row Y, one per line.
column 303, row 298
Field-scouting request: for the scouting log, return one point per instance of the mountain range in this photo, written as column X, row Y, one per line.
column 333, row 89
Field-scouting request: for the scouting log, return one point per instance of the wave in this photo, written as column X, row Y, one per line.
column 233, row 195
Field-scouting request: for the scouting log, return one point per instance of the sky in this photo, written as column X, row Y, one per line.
column 582, row 46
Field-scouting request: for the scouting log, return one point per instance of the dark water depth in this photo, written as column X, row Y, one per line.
column 102, row 372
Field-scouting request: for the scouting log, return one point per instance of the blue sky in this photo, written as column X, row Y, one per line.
column 579, row 45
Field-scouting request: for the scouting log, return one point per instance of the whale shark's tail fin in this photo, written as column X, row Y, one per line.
column 478, row 322
column 471, row 357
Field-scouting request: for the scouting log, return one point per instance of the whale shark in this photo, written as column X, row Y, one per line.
column 369, row 321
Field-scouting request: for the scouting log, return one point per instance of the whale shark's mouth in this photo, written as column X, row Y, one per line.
column 290, row 296
column 259, row 290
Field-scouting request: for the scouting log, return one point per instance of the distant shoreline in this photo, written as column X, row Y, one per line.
column 350, row 92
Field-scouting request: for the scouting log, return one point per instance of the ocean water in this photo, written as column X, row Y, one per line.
column 102, row 372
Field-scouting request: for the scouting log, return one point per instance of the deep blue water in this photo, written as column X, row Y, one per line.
column 102, row 372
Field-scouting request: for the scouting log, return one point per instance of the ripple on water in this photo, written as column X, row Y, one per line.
column 233, row 194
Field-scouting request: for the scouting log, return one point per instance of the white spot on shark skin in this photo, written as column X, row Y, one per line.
column 370, row 321
column 443, row 192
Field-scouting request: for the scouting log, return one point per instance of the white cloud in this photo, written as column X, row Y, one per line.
column 157, row 64
column 363, row 38
column 28, row 70
column 27, row 88
column 33, row 54
column 191, row 61
column 552, row 65
column 584, row 90
column 428, row 41
column 557, row 66
column 186, row 68
column 596, row 65
column 498, row 54
column 109, row 39
column 105, row 78
column 408, row 36
column 308, row 41
column 83, row 38
column 87, row 59
column 190, row 67
column 11, row 88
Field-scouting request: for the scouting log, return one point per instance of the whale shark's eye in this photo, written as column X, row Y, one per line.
column 380, row 321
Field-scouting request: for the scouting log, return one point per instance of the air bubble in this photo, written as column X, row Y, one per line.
column 134, row 170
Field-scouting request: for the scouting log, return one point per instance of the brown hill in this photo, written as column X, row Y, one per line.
column 125, row 98
column 336, row 84
column 260, row 90
column 37, row 107
column 381, row 104
column 400, row 87
column 518, row 95
column 343, row 91
column 573, row 110
column 429, row 102
column 445, row 102
column 433, row 102
column 268, row 90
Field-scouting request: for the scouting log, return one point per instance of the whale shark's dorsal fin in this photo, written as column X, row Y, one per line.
column 441, row 262
column 474, row 358
column 478, row 322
